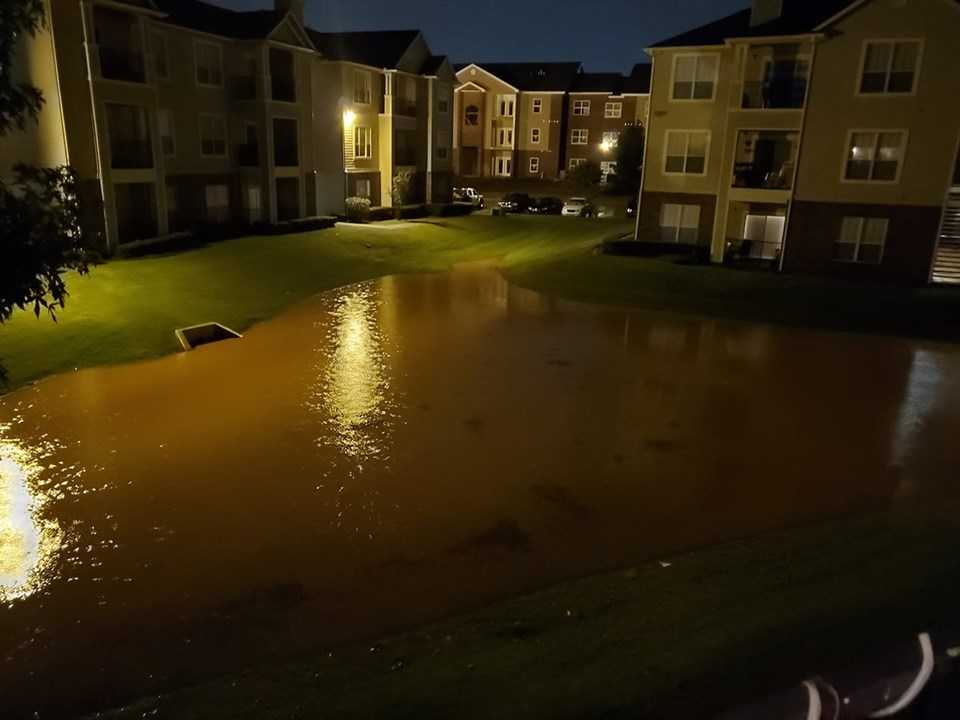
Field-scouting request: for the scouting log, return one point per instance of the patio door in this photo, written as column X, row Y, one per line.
column 765, row 235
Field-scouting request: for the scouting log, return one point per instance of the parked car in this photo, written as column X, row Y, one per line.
column 546, row 206
column 632, row 207
column 514, row 203
column 469, row 195
column 605, row 211
column 577, row 207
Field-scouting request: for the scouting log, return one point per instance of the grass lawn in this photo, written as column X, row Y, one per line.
column 706, row 632
column 127, row 309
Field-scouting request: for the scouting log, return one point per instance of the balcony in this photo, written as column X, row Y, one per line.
column 243, row 88
column 248, row 154
column 283, row 89
column 765, row 160
column 282, row 76
column 775, row 93
column 121, row 64
column 405, row 106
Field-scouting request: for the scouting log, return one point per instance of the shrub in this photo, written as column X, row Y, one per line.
column 358, row 209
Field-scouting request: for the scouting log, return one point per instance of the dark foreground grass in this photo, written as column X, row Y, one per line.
column 127, row 309
column 680, row 639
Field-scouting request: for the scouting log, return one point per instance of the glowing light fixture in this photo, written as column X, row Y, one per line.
column 605, row 146
column 348, row 117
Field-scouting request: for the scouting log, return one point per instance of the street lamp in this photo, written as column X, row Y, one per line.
column 349, row 116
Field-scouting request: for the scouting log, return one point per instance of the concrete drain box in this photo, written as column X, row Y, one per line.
column 204, row 334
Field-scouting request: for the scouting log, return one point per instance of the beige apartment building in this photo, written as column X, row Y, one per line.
column 599, row 107
column 177, row 113
column 816, row 135
column 510, row 119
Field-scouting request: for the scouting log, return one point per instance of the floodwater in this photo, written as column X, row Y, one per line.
column 400, row 450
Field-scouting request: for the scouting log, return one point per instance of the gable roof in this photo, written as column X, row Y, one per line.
column 611, row 83
column 532, row 76
column 376, row 48
column 197, row 15
column 799, row 17
column 432, row 64
column 639, row 79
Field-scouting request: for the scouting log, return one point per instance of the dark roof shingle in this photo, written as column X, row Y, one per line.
column 798, row 17
column 196, row 15
column 533, row 76
column 639, row 79
column 377, row 48
column 611, row 83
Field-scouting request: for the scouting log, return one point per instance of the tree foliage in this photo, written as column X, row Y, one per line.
column 630, row 159
column 586, row 177
column 20, row 102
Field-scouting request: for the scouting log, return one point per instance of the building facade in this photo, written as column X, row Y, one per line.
column 812, row 135
column 183, row 113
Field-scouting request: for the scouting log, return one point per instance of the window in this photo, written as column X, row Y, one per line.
column 581, row 107
column 505, row 137
column 362, row 87
column 158, row 47
column 362, row 142
column 534, row 166
column 576, row 162
column 686, row 152
column 218, row 202
column 613, row 110
column 536, row 105
column 502, row 166
column 874, row 155
column 505, row 105
column 694, row 77
column 443, row 106
column 890, row 67
column 611, row 138
column 535, row 136
column 165, row 129
column 679, row 223
column 213, row 136
column 209, row 64
column 443, row 143
column 861, row 240
column 472, row 115
column 363, row 188
column 607, row 168
column 579, row 136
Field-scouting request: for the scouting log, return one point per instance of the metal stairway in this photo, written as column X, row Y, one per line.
column 946, row 264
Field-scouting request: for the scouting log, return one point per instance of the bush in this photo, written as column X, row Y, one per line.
column 358, row 209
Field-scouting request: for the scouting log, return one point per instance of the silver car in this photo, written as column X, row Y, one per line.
column 577, row 207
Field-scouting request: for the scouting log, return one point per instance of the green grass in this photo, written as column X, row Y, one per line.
column 714, row 629
column 127, row 309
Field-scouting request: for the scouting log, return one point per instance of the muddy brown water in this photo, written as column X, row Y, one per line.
column 408, row 448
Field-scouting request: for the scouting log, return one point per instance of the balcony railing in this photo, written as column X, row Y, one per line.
column 248, row 154
column 243, row 88
column 285, row 154
column 283, row 89
column 131, row 154
column 768, row 176
column 121, row 64
column 778, row 93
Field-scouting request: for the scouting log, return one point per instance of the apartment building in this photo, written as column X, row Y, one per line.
column 510, row 119
column 818, row 135
column 599, row 106
column 178, row 112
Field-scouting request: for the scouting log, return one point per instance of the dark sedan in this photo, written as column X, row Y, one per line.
column 546, row 206
column 514, row 203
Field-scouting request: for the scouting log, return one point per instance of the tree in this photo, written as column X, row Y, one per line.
column 630, row 160
column 585, row 178
column 41, row 236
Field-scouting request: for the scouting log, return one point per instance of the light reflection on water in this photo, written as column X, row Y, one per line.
column 353, row 389
column 28, row 543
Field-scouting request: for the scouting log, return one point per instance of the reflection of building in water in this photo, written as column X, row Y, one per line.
column 27, row 543
column 354, row 387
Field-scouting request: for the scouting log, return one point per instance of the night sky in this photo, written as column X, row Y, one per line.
column 604, row 34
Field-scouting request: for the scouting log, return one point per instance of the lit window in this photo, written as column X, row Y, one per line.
column 579, row 136
column 362, row 142
column 535, row 136
column 679, row 223
column 890, row 67
column 611, row 138
column 502, row 166
column 694, row 77
column 613, row 110
column 607, row 168
column 875, row 156
column 581, row 108
column 213, row 136
column 861, row 240
column 686, row 152
column 209, row 64
column 537, row 105
column 534, row 166
column 362, row 87
column 505, row 137
column 576, row 162
column 506, row 104
column 363, row 188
